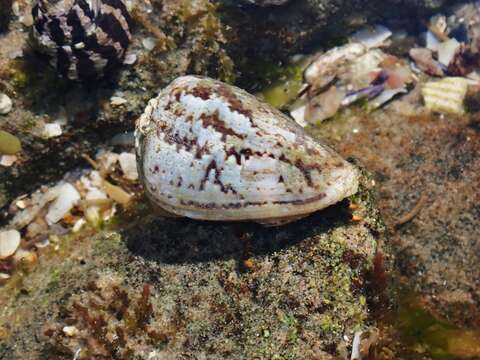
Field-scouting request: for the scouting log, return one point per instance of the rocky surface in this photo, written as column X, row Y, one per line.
column 426, row 162
column 202, row 300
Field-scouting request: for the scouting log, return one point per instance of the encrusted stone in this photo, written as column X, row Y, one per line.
column 208, row 150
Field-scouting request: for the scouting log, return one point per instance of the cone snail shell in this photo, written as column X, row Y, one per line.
column 207, row 150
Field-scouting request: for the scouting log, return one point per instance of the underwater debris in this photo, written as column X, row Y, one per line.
column 84, row 197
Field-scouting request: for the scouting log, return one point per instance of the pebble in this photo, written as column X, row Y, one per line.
column 130, row 59
column 148, row 43
column 9, row 243
column 7, row 160
column 25, row 257
column 52, row 130
column 70, row 331
column 6, row 104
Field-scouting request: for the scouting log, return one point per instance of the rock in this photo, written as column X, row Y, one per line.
column 303, row 294
column 9, row 243
column 5, row 13
column 415, row 156
column 6, row 104
column 267, row 2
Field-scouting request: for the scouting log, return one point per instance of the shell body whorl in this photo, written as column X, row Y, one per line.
column 211, row 151
column 85, row 39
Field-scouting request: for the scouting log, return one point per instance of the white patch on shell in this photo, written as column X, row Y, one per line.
column 223, row 155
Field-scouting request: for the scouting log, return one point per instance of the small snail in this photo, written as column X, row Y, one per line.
column 85, row 39
column 207, row 150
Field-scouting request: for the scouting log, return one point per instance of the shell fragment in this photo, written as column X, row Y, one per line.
column 446, row 95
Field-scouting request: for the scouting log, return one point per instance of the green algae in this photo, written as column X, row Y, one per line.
column 285, row 88
column 426, row 333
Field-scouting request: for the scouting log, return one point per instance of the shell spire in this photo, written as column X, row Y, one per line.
column 85, row 39
column 208, row 150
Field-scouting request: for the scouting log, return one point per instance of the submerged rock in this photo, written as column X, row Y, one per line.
column 174, row 287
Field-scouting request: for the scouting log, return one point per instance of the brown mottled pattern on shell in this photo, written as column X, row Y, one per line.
column 209, row 150
column 84, row 39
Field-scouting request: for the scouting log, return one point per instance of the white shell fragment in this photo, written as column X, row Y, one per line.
column 447, row 50
column 52, row 130
column 6, row 104
column 66, row 199
column 208, row 150
column 8, row 160
column 9, row 243
column 446, row 95
column 328, row 63
column 372, row 36
column 128, row 164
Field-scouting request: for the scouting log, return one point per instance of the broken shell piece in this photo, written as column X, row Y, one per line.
column 324, row 105
column 117, row 193
column 431, row 41
column 70, row 331
column 67, row 198
column 7, row 160
column 52, row 130
column 327, row 63
column 78, row 225
column 366, row 93
column 298, row 114
column 446, row 95
column 360, row 72
column 371, row 37
column 128, row 164
column 223, row 155
column 438, row 25
column 424, row 60
column 6, row 104
column 447, row 50
column 385, row 96
column 9, row 243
